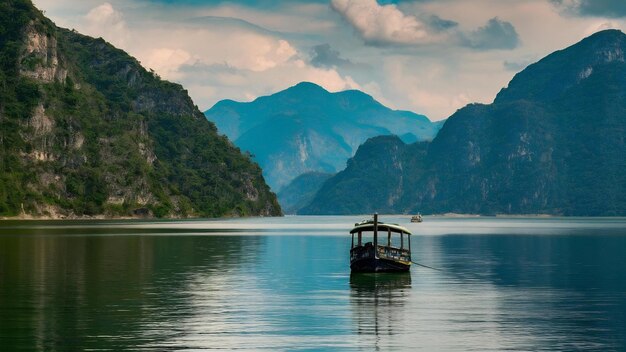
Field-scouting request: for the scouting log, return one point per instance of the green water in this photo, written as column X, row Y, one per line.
column 285, row 284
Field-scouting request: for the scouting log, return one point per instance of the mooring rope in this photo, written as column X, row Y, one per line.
column 425, row 266
column 467, row 276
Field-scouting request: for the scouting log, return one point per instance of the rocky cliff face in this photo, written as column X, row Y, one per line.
column 39, row 59
column 553, row 142
column 87, row 131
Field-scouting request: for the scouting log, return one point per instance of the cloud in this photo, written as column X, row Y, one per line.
column 496, row 34
column 388, row 2
column 439, row 24
column 598, row 8
column 232, row 49
column 600, row 26
column 382, row 24
column 105, row 21
column 245, row 50
column 283, row 16
column 258, row 53
column 227, row 58
column 323, row 55
column 211, row 83
column 167, row 62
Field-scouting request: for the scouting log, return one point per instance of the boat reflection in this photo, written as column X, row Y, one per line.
column 367, row 283
column 378, row 304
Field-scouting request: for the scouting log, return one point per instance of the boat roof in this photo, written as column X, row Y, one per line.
column 369, row 226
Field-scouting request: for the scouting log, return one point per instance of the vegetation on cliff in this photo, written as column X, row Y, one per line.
column 553, row 142
column 85, row 130
column 383, row 170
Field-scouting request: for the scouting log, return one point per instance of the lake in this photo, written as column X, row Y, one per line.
column 284, row 284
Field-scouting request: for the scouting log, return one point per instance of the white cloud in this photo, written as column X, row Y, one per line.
column 425, row 88
column 239, row 52
column 103, row 14
column 105, row 21
column 602, row 25
column 221, row 58
column 239, row 49
column 245, row 85
column 387, row 25
column 327, row 78
column 293, row 17
column 167, row 62
column 382, row 24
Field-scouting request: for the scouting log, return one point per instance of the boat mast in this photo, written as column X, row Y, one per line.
column 375, row 235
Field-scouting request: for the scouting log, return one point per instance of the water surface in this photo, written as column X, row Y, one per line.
column 284, row 284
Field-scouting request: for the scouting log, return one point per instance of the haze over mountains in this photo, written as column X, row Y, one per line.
column 553, row 142
column 305, row 128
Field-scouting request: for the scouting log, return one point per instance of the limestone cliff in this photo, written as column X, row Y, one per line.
column 86, row 131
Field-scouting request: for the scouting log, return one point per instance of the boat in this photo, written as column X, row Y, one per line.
column 390, row 254
column 417, row 218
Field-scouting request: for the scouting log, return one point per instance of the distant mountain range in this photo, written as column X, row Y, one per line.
column 307, row 129
column 86, row 131
column 301, row 191
column 552, row 142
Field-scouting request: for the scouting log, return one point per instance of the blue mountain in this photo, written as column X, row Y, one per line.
column 308, row 129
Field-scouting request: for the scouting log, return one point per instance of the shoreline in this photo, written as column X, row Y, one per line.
column 104, row 218
column 455, row 215
column 440, row 216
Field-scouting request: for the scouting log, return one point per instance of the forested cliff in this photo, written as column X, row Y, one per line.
column 85, row 130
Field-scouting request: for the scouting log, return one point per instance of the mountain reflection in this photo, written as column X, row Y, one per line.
column 104, row 292
column 559, row 275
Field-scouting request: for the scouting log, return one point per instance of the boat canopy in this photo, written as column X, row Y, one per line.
column 369, row 226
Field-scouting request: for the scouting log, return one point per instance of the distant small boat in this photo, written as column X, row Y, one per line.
column 380, row 255
column 417, row 218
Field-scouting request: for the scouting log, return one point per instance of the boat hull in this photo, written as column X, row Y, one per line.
column 378, row 265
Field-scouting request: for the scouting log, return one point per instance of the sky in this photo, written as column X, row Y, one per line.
column 427, row 56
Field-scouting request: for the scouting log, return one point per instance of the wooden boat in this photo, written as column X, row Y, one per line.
column 381, row 254
column 417, row 218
